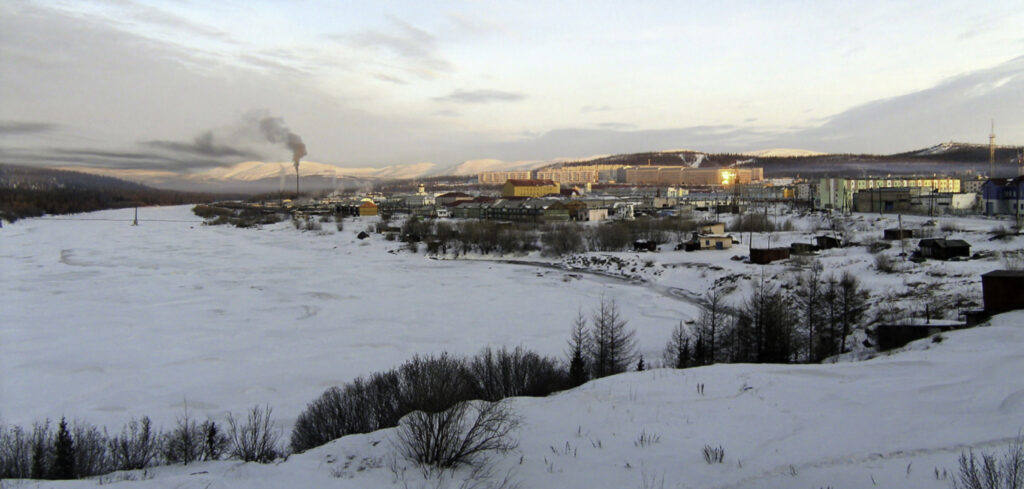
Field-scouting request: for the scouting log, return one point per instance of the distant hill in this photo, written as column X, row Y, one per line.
column 946, row 158
column 30, row 191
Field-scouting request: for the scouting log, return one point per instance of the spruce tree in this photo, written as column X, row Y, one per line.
column 64, row 453
column 578, row 371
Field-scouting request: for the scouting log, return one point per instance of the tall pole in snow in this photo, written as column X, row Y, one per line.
column 135, row 222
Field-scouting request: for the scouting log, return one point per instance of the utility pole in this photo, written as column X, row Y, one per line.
column 135, row 222
column 903, row 242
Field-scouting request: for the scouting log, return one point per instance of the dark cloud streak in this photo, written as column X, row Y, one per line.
column 480, row 96
column 204, row 145
column 10, row 128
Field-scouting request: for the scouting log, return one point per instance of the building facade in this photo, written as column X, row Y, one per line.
column 529, row 188
column 837, row 193
column 500, row 177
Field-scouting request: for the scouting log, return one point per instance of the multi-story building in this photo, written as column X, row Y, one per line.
column 568, row 175
column 681, row 175
column 837, row 193
column 500, row 177
column 1003, row 196
column 529, row 188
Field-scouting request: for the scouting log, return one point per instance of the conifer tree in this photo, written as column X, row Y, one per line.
column 64, row 453
column 578, row 347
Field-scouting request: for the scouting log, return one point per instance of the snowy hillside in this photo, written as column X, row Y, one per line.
column 259, row 170
column 782, row 153
column 894, row 421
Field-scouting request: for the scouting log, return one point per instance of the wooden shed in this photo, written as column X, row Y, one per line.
column 826, row 242
column 762, row 256
column 802, row 248
column 895, row 335
column 897, row 233
column 1003, row 290
column 943, row 249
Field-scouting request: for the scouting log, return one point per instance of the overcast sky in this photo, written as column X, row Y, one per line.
column 178, row 84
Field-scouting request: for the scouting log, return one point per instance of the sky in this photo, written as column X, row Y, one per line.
column 181, row 85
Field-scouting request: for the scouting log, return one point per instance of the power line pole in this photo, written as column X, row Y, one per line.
column 135, row 222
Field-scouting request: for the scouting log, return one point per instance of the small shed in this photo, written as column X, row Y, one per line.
column 802, row 248
column 713, row 241
column 826, row 242
column 762, row 256
column 943, row 249
column 644, row 245
column 895, row 335
column 1003, row 290
column 897, row 233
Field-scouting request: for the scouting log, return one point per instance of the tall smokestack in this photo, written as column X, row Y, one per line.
column 992, row 151
column 275, row 130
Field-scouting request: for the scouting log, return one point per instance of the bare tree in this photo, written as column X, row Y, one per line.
column 184, row 444
column 853, row 303
column 807, row 294
column 713, row 317
column 677, row 351
column 612, row 346
column 459, row 435
column 257, row 439
column 136, row 447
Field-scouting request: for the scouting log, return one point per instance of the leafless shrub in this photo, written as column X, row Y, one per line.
column 714, row 455
column 339, row 223
column 563, row 239
column 136, row 447
column 312, row 225
column 461, row 435
column 989, row 472
column 645, row 439
column 1012, row 260
column 184, row 444
column 758, row 223
column 497, row 374
column 949, row 227
column 257, row 439
column 1002, row 233
column 91, row 451
column 884, row 263
column 15, row 453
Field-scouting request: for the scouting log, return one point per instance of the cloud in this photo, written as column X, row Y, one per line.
column 9, row 128
column 958, row 108
column 156, row 16
column 415, row 47
column 480, row 96
column 586, row 109
column 615, row 125
column 106, row 158
column 204, row 145
column 389, row 79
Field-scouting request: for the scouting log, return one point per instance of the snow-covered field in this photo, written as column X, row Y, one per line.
column 103, row 321
column 895, row 422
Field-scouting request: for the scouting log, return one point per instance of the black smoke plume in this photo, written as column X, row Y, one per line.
column 276, row 131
